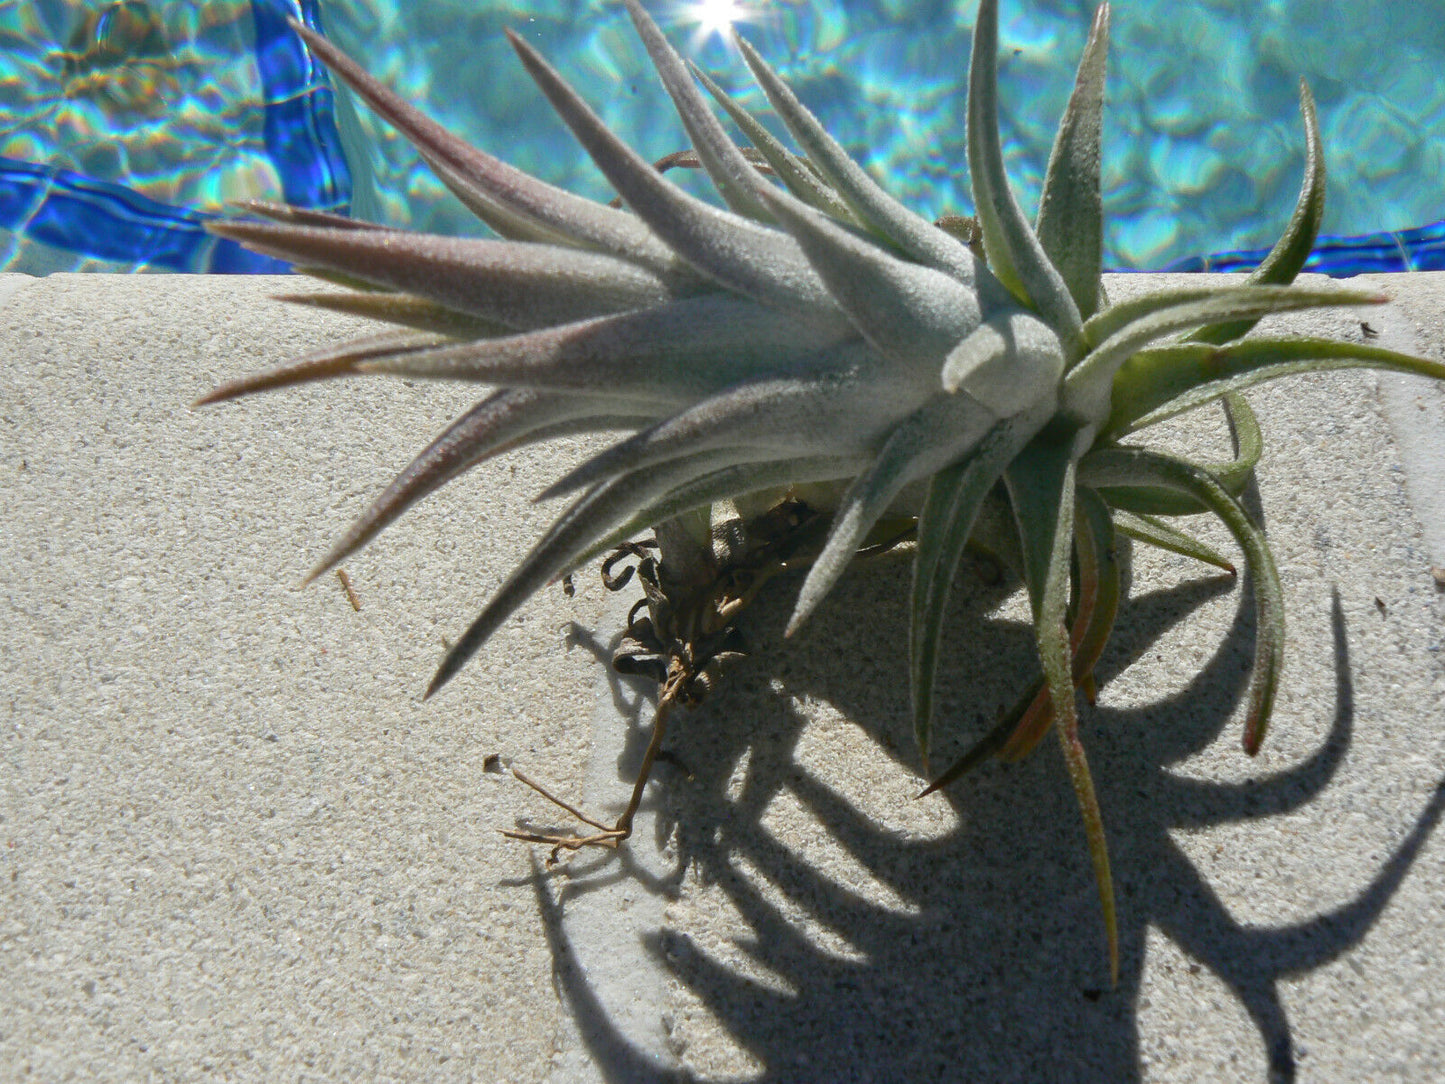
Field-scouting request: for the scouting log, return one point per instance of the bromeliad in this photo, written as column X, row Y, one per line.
column 811, row 371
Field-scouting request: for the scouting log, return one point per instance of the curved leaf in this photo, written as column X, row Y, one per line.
column 1071, row 210
column 800, row 181
column 1294, row 246
column 1157, row 533
column 955, row 496
column 1125, row 467
column 1157, row 384
column 1015, row 255
column 1147, row 501
column 1123, row 330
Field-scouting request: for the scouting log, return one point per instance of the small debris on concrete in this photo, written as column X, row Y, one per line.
column 346, row 586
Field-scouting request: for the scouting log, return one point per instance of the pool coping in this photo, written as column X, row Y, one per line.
column 239, row 845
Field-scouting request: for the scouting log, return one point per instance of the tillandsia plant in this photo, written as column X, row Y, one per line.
column 815, row 372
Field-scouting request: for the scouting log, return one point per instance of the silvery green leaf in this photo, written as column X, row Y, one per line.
column 732, row 175
column 1233, row 476
column 516, row 205
column 912, row 233
column 912, row 314
column 1098, row 583
column 1015, row 255
column 800, row 180
column 843, row 412
column 1011, row 363
column 736, row 252
column 592, row 517
column 516, row 283
column 1294, row 246
column 1041, row 486
column 1157, row 384
column 503, row 421
column 941, row 432
column 675, row 353
column 1124, row 467
column 1071, row 210
column 1054, row 653
column 955, row 496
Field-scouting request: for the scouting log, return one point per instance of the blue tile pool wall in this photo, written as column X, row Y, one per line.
column 1203, row 142
column 125, row 125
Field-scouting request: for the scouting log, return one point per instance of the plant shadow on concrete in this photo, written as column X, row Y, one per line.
column 993, row 970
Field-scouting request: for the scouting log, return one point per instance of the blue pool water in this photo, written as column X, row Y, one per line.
column 124, row 125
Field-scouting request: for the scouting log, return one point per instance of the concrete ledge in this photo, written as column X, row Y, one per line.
column 234, row 844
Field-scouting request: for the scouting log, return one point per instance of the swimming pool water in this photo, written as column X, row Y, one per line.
column 1203, row 145
column 125, row 124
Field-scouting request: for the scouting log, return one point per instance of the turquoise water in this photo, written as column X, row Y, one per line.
column 166, row 104
column 1203, row 145
column 124, row 124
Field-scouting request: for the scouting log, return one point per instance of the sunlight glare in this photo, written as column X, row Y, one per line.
column 716, row 16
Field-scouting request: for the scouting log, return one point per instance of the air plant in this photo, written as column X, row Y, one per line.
column 816, row 372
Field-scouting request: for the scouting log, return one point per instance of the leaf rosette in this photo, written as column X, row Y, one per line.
column 814, row 340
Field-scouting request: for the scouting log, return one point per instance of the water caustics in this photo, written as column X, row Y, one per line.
column 125, row 126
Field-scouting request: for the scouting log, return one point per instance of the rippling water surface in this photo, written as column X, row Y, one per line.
column 162, row 97
column 1203, row 145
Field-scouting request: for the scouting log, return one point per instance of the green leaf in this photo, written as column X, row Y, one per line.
column 1234, row 476
column 1161, row 312
column 1041, row 485
column 1156, row 532
column 955, row 496
column 1157, row 384
column 1082, row 779
column 1093, row 624
column 1099, row 588
column 1122, row 330
column 1015, row 255
column 1122, row 467
column 985, row 747
column 1071, row 211
column 938, row 433
column 1248, row 444
column 799, row 180
column 1293, row 248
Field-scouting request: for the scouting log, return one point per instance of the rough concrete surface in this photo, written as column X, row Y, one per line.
column 235, row 843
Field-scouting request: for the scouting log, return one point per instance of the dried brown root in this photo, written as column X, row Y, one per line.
column 609, row 837
column 683, row 630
